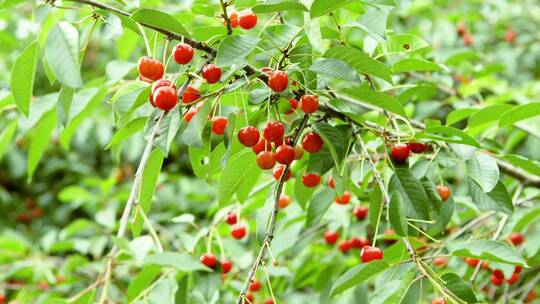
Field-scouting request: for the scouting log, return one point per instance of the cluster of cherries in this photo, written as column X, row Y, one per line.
column 468, row 39
column 246, row 19
column 33, row 212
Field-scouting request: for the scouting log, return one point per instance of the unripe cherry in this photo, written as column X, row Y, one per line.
column 266, row 160
column 440, row 261
column 298, row 152
column 183, row 53
column 233, row 18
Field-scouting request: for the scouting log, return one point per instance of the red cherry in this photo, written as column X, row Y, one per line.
column 183, row 53
column 255, row 285
column 262, row 145
column 190, row 95
column 369, row 254
column 497, row 281
column 238, row 231
column 498, row 273
column 165, row 98
column 530, row 296
column 266, row 160
column 293, row 102
column 219, row 123
column 400, row 153
column 389, row 240
column 331, row 182
column 417, row 147
column 269, row 301
column 343, row 199
column 284, row 201
column 515, row 238
column 208, row 260
column 248, row 136
column 444, row 192
column 309, row 103
column 266, row 70
column 247, row 19
column 311, row 180
column 298, row 152
column 514, row 278
column 284, row 154
column 273, row 131
column 2, row 298
column 440, row 261
column 278, row 81
column 461, row 29
column 510, row 36
column 438, row 301
column 150, row 69
column 226, row 266
column 159, row 83
column 360, row 212
column 250, row 297
column 518, row 269
column 278, row 172
column 468, row 39
column 472, row 262
column 485, row 265
column 233, row 18
column 312, row 142
column 345, row 246
column 211, row 73
column 359, row 243
column 190, row 113
column 232, row 218
column 331, row 237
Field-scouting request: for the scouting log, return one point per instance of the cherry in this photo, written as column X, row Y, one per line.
column 515, row 238
column 238, row 231
column 158, row 84
column 232, row 218
column 249, row 297
column 248, row 136
column 219, row 123
column 389, row 232
column 247, row 19
column 331, row 237
column 444, row 192
column 298, row 152
column 208, row 260
column 284, row 201
column 266, row 160
column 266, row 70
column 518, row 269
column 530, row 296
column 309, row 103
column 190, row 95
column 43, row 285
column 485, row 265
column 278, row 81
column 312, row 142
column 190, row 113
column 226, row 266
column 331, row 182
column 400, row 153
column 344, row 199
column 293, row 102
column 468, row 39
column 278, row 173
column 359, row 243
column 461, row 29
column 472, row 262
column 211, row 73
column 514, row 278
column 311, row 180
column 360, row 212
column 2, row 298
column 150, row 69
column 497, row 281
column 165, row 98
column 440, row 261
column 370, row 253
column 345, row 246
column 262, row 145
column 416, row 147
column 233, row 18
column 183, row 53
column 255, row 285
column 284, row 154
column 438, row 301
column 273, row 131
column 498, row 273
column 269, row 301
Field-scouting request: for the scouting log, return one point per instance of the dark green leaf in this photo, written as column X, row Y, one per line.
column 241, row 166
column 495, row 251
column 360, row 61
column 497, row 199
column 179, row 261
column 412, row 192
column 483, row 169
column 159, row 19
column 234, row 49
column 357, row 275
column 318, row 206
column 278, row 7
column 397, row 215
column 22, row 77
column 62, row 54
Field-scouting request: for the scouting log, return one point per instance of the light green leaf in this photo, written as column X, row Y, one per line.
column 193, row 134
column 459, row 287
column 234, row 49
column 378, row 99
column 531, row 216
column 62, row 54
column 23, row 75
column 129, row 97
column 239, row 167
column 448, row 134
column 411, row 190
column 459, row 115
column 159, row 19
column 336, row 68
column 484, row 170
column 397, row 43
column 497, row 199
column 39, row 140
column 164, row 291
column 495, row 251
column 142, row 280
column 278, row 7
column 397, row 215
column 6, row 136
column 128, row 130
column 179, row 261
column 414, row 65
column 357, row 275
column 321, row 7
column 360, row 61
column 488, row 114
column 336, row 139
column 374, row 22
column 318, row 206
column 524, row 163
column 519, row 113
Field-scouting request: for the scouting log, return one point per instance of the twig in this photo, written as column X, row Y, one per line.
column 151, row 229
column 226, row 16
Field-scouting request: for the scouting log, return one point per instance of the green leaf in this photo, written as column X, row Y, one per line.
column 524, row 163
column 497, row 199
column 448, row 134
column 495, row 251
column 148, row 187
column 357, row 275
column 241, row 166
column 129, row 97
column 459, row 115
column 278, row 7
column 488, row 114
column 334, row 68
column 159, row 19
column 193, row 134
column 360, row 61
column 318, row 206
column 321, row 7
column 168, row 129
column 142, row 280
column 397, row 215
column 458, row 287
column 128, row 130
column 378, row 99
column 337, row 140
column 62, row 54
column 374, row 23
column 179, row 261
column 234, row 49
column 375, row 205
column 415, row 65
column 483, row 169
column 531, row 216
column 6, row 136
column 320, row 162
column 411, row 190
column 303, row 194
column 519, row 113
column 5, row 4
column 396, row 43
column 431, row 192
column 65, row 99
column 23, row 75
column 39, row 140
column 164, row 292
